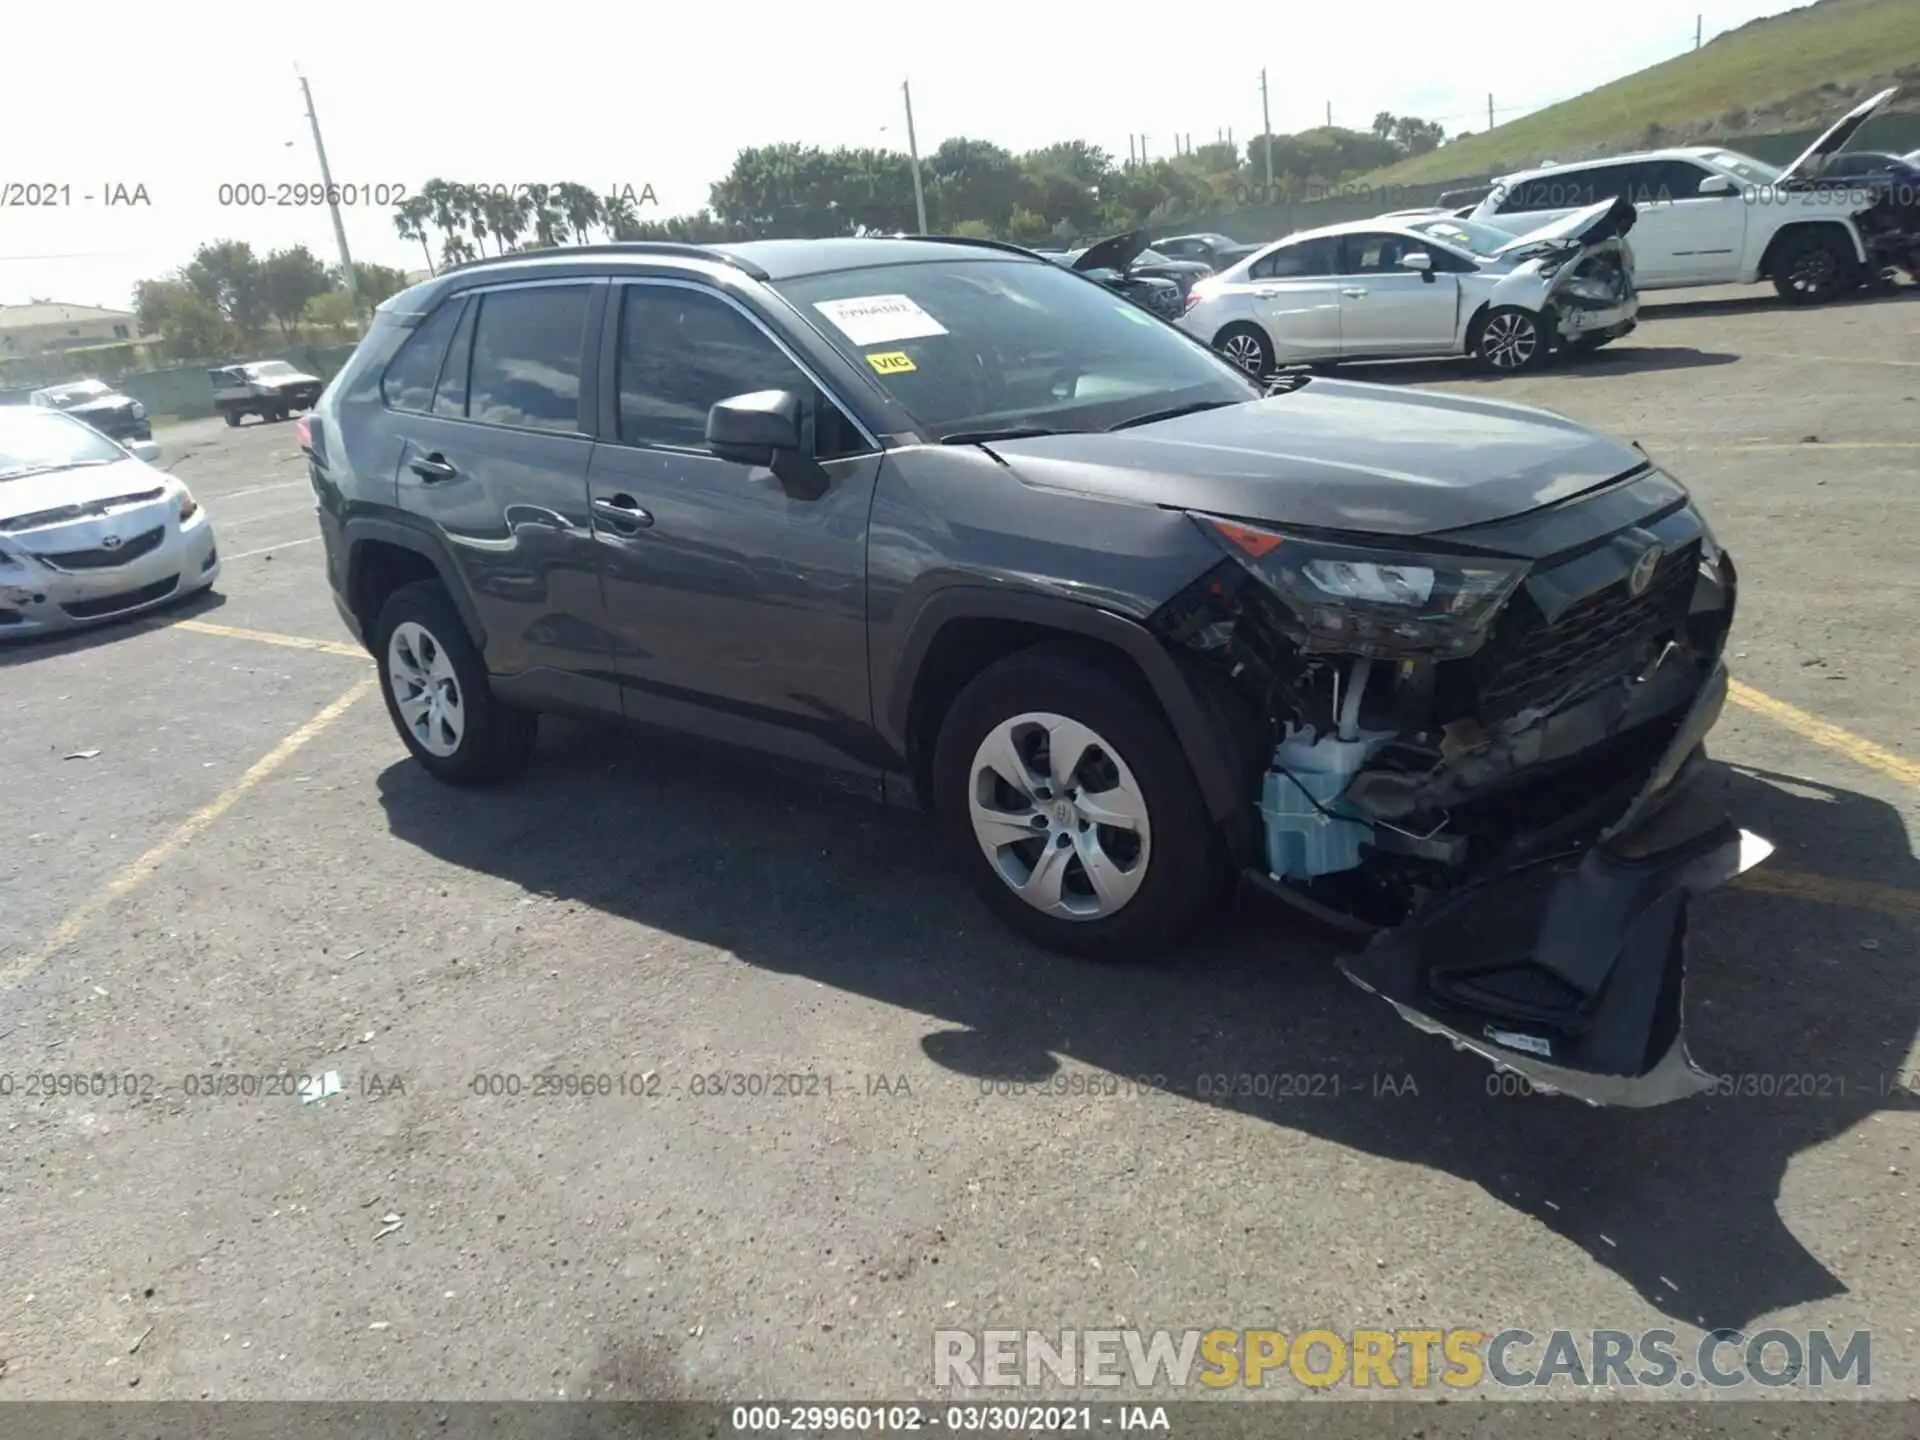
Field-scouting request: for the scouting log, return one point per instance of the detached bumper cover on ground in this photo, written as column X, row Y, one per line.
column 1596, row 940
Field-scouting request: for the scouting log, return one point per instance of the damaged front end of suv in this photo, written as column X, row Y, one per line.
column 1482, row 749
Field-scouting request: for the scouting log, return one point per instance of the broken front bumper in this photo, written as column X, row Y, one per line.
column 1570, row 971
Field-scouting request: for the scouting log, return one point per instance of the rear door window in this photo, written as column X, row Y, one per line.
column 450, row 395
column 527, row 349
column 408, row 383
column 1309, row 257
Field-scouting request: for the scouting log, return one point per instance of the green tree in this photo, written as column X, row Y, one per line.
column 229, row 277
column 289, row 279
column 973, row 180
column 411, row 220
column 582, row 209
column 375, row 282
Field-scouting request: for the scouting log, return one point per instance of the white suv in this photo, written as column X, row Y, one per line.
column 1710, row 216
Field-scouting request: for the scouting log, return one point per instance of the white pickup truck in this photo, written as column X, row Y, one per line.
column 1712, row 216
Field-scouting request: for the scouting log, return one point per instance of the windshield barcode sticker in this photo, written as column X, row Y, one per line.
column 879, row 319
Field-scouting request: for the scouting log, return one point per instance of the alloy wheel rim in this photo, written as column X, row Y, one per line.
column 1509, row 341
column 1244, row 351
column 1812, row 270
column 425, row 690
column 1059, row 816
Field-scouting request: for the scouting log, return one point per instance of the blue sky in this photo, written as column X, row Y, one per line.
column 610, row 95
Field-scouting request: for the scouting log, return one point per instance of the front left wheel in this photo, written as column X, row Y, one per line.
column 1067, row 799
column 1510, row 340
column 435, row 686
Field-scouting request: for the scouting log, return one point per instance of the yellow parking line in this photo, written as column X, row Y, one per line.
column 77, row 923
column 271, row 637
column 1812, row 727
column 1826, row 890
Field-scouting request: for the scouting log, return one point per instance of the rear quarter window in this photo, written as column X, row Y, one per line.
column 410, row 375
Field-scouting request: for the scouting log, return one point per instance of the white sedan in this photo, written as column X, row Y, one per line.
column 1424, row 285
column 90, row 531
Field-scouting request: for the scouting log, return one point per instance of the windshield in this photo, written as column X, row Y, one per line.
column 1150, row 257
column 1468, row 235
column 988, row 345
column 78, row 393
column 35, row 440
column 1754, row 172
column 271, row 367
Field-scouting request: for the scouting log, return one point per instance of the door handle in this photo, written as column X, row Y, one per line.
column 1355, row 294
column 432, row 468
column 623, row 512
column 1266, row 292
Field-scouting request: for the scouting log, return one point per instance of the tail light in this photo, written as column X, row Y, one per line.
column 1194, row 297
column 303, row 427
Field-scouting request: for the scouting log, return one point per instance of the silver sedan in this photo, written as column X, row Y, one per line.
column 1423, row 284
column 90, row 531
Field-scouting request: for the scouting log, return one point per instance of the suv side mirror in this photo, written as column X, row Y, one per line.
column 1421, row 261
column 753, row 429
column 1718, row 185
column 763, row 428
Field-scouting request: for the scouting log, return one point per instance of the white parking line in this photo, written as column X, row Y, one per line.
column 253, row 490
column 265, row 549
column 264, row 515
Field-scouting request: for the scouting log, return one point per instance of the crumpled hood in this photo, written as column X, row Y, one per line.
column 1603, row 221
column 284, row 382
column 1338, row 455
column 88, row 485
column 105, row 405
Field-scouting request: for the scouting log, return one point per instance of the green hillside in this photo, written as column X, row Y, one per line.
column 1783, row 73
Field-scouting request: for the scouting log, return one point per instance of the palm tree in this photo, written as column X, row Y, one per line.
column 617, row 215
column 504, row 216
column 543, row 214
column 410, row 223
column 446, row 205
column 581, row 207
column 455, row 249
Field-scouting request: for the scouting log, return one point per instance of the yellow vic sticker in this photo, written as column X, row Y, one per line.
column 891, row 362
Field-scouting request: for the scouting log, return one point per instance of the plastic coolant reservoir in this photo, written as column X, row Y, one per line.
column 1303, row 840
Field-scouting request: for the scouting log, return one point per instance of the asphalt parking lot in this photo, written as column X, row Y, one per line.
column 250, row 879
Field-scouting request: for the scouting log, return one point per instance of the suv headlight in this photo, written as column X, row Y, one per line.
column 1367, row 600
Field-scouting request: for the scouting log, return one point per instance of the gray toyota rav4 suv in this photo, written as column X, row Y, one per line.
column 975, row 531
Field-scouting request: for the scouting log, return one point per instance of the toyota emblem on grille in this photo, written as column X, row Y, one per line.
column 1643, row 569
column 112, row 542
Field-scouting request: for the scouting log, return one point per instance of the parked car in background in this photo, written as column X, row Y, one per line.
column 1131, row 255
column 271, row 389
column 1424, row 285
column 1712, row 216
column 116, row 416
column 89, row 530
column 1110, row 264
column 1211, row 248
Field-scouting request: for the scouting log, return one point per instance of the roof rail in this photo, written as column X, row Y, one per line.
column 978, row 240
column 617, row 247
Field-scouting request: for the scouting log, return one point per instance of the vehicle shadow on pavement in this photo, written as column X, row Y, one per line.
column 1620, row 358
column 1818, row 1004
column 71, row 642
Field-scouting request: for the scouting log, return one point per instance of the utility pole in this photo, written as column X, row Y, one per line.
column 913, row 153
column 1489, row 110
column 1696, row 31
column 333, row 202
column 1143, row 147
column 1329, row 114
column 1266, row 129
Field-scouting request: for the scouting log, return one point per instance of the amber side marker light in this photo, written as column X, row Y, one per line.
column 1255, row 542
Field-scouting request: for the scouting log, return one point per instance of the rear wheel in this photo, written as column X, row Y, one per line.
column 435, row 686
column 1067, row 800
column 1509, row 340
column 1246, row 346
column 1813, row 267
column 232, row 417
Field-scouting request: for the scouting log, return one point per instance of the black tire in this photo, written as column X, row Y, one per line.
column 1508, row 340
column 496, row 741
column 1814, row 267
column 1246, row 345
column 1182, row 869
column 232, row 417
